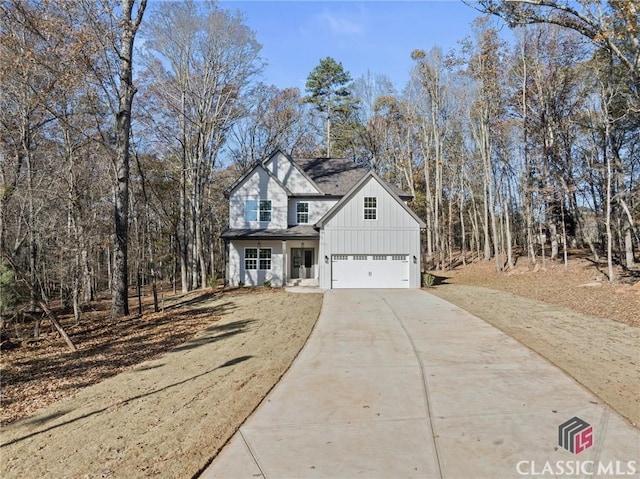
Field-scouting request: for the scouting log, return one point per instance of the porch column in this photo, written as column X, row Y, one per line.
column 227, row 270
column 284, row 263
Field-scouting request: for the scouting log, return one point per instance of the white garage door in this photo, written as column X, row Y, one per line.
column 370, row 271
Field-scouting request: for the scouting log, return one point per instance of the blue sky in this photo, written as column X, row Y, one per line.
column 375, row 36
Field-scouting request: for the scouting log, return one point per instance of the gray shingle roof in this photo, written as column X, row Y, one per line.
column 297, row 231
column 336, row 176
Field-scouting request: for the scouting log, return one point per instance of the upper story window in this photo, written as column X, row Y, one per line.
column 302, row 212
column 265, row 210
column 257, row 210
column 370, row 208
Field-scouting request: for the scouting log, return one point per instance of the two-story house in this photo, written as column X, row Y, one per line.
column 320, row 221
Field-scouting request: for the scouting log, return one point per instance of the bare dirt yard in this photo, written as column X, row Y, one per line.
column 572, row 316
column 167, row 390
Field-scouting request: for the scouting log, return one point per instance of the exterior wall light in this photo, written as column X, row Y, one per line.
column 326, row 259
column 415, row 260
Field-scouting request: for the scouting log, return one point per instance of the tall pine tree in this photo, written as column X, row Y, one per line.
column 329, row 89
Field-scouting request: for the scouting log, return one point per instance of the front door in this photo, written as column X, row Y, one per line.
column 302, row 263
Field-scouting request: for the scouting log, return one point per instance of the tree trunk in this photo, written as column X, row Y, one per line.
column 543, row 240
column 33, row 299
column 494, row 232
column 429, row 207
column 87, row 283
column 528, row 183
column 450, row 233
column 147, row 212
column 195, row 261
column 329, row 134
column 183, row 243
column 126, row 92
column 475, row 230
column 76, row 287
column 629, row 231
column 509, row 245
column 564, row 235
column 57, row 325
column 553, row 236
column 628, row 246
column 201, row 253
column 608, row 218
column 463, row 233
column 485, row 223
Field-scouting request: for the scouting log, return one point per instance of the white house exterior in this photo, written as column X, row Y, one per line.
column 320, row 221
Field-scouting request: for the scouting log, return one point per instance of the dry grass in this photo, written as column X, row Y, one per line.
column 581, row 286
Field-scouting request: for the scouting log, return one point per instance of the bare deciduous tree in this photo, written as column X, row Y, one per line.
column 209, row 58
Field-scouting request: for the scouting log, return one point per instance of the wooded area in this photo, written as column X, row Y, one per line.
column 114, row 158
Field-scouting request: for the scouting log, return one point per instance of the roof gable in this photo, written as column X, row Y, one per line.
column 291, row 174
column 250, row 172
column 370, row 175
column 312, row 176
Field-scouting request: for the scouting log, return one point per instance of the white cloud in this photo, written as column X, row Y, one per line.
column 342, row 25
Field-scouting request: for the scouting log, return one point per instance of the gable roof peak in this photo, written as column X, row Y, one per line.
column 352, row 192
column 274, row 153
column 256, row 165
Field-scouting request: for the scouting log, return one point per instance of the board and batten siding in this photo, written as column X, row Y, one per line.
column 394, row 231
column 289, row 175
column 258, row 186
column 318, row 207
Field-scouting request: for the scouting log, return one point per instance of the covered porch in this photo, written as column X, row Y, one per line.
column 301, row 262
column 282, row 257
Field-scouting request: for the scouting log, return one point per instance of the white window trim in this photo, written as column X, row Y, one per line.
column 298, row 213
column 257, row 258
column 270, row 259
column 370, row 209
column 244, row 258
column 258, row 210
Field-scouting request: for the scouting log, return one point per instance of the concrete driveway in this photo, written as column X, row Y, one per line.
column 401, row 384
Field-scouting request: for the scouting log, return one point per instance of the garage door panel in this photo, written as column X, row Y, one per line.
column 370, row 271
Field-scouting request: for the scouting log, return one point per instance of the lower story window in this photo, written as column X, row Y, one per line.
column 251, row 258
column 257, row 258
column 265, row 258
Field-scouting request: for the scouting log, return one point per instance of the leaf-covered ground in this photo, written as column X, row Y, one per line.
column 37, row 373
column 168, row 416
